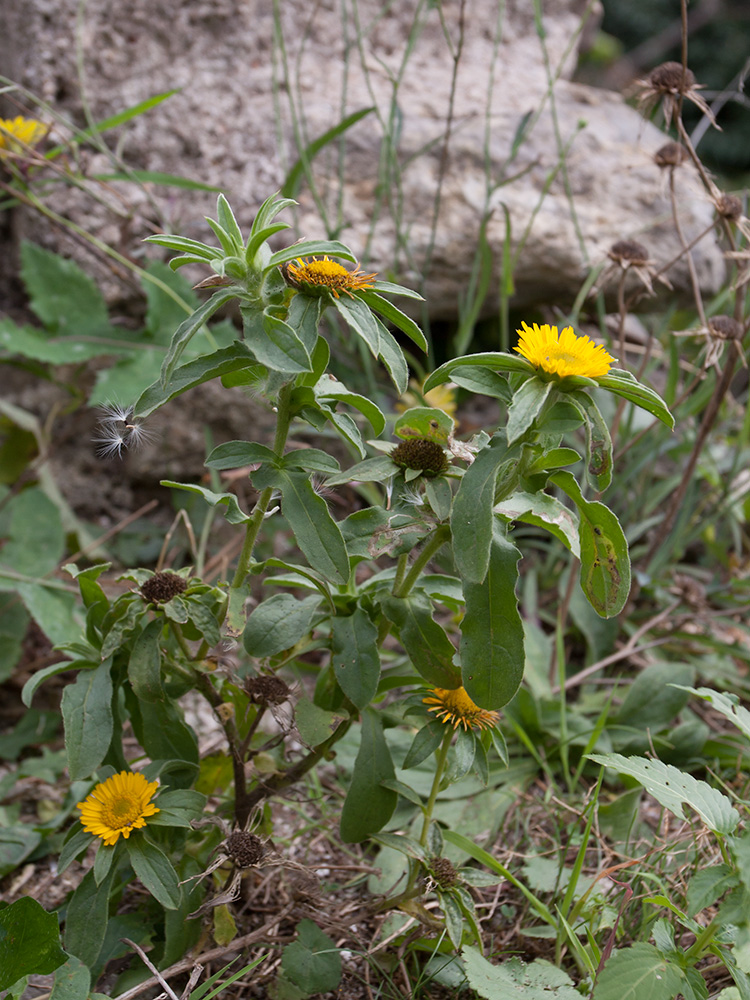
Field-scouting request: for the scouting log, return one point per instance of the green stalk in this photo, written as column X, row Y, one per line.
column 402, row 587
column 283, row 420
column 440, row 759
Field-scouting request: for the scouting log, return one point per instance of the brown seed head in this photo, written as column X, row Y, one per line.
column 729, row 207
column 245, row 849
column 668, row 78
column 422, row 455
column 627, row 252
column 266, row 690
column 672, row 154
column 725, row 328
column 443, row 872
column 162, row 587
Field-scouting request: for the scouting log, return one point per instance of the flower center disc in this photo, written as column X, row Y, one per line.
column 120, row 813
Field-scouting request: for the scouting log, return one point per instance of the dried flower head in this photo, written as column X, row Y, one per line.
column 17, row 134
column 729, row 207
column 162, row 587
column 118, row 806
column 672, row 154
column 628, row 252
column 420, row 454
column 455, row 708
column 718, row 332
column 244, row 849
column 443, row 873
column 266, row 690
column 118, row 430
column 668, row 84
column 630, row 256
column 562, row 353
column 321, row 277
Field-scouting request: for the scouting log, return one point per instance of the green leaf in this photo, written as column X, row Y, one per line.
column 312, row 460
column 673, row 788
column 598, row 441
column 424, row 422
column 225, row 218
column 154, row 870
column 495, row 361
column 708, row 885
column 277, row 347
column 162, row 732
column 236, row 454
column 187, row 376
column 513, row 980
column 72, row 981
column 622, row 383
column 393, row 358
column 188, row 329
column 64, row 298
column 316, row 532
column 605, row 563
column 426, row 643
column 656, row 696
column 29, row 941
column 329, row 388
column 293, row 180
column 492, row 650
column 425, row 742
column 483, row 381
column 144, row 667
column 306, row 248
column 372, row 470
column 355, row 656
column 158, row 177
column 187, row 246
column 313, row 961
column 727, row 704
column 315, row 724
column 358, row 317
column 233, row 513
column 87, row 714
column 400, row 320
column 17, row 842
column 124, row 116
column 368, row 805
column 35, row 542
column 86, row 918
column 528, row 401
column 472, row 517
column 639, row 972
column 544, row 511
column 278, row 623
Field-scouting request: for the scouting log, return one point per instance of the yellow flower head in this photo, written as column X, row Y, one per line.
column 562, row 353
column 319, row 276
column 17, row 133
column 117, row 806
column 455, row 708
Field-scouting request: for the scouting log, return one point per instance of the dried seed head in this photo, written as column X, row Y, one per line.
column 266, row 690
column 162, row 587
column 672, row 154
column 729, row 207
column 671, row 78
column 422, row 455
column 628, row 252
column 244, row 849
column 443, row 872
column 725, row 328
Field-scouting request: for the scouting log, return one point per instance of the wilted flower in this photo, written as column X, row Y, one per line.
column 671, row 154
column 118, row 806
column 719, row 331
column 318, row 277
column 669, row 83
column 455, row 708
column 162, row 587
column 562, row 353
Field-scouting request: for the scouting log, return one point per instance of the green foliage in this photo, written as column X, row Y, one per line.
column 29, row 942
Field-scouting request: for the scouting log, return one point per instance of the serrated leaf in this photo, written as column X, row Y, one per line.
column 64, row 298
column 673, row 789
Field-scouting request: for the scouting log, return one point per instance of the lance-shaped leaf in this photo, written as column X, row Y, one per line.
column 274, row 343
column 358, row 317
column 598, row 440
column 154, row 870
column 144, row 666
column 492, row 651
column 605, row 562
column 317, row 534
column 187, row 376
column 393, row 358
column 87, row 714
column 305, row 248
column 188, row 329
column 233, row 512
column 624, row 384
column 546, row 512
column 236, row 454
column 471, row 515
column 87, row 916
column 356, row 660
column 426, row 643
column 304, row 318
column 329, row 388
column 369, row 805
column 496, row 361
column 400, row 320
column 278, row 623
column 483, row 381
column 526, row 406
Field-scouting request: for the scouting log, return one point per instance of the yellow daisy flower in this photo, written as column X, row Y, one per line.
column 317, row 276
column 16, row 133
column 455, row 708
column 562, row 353
column 117, row 806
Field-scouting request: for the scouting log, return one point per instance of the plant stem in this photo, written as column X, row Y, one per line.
column 253, row 525
column 436, row 542
column 440, row 759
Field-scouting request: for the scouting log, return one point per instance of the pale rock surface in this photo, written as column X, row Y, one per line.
column 246, row 104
